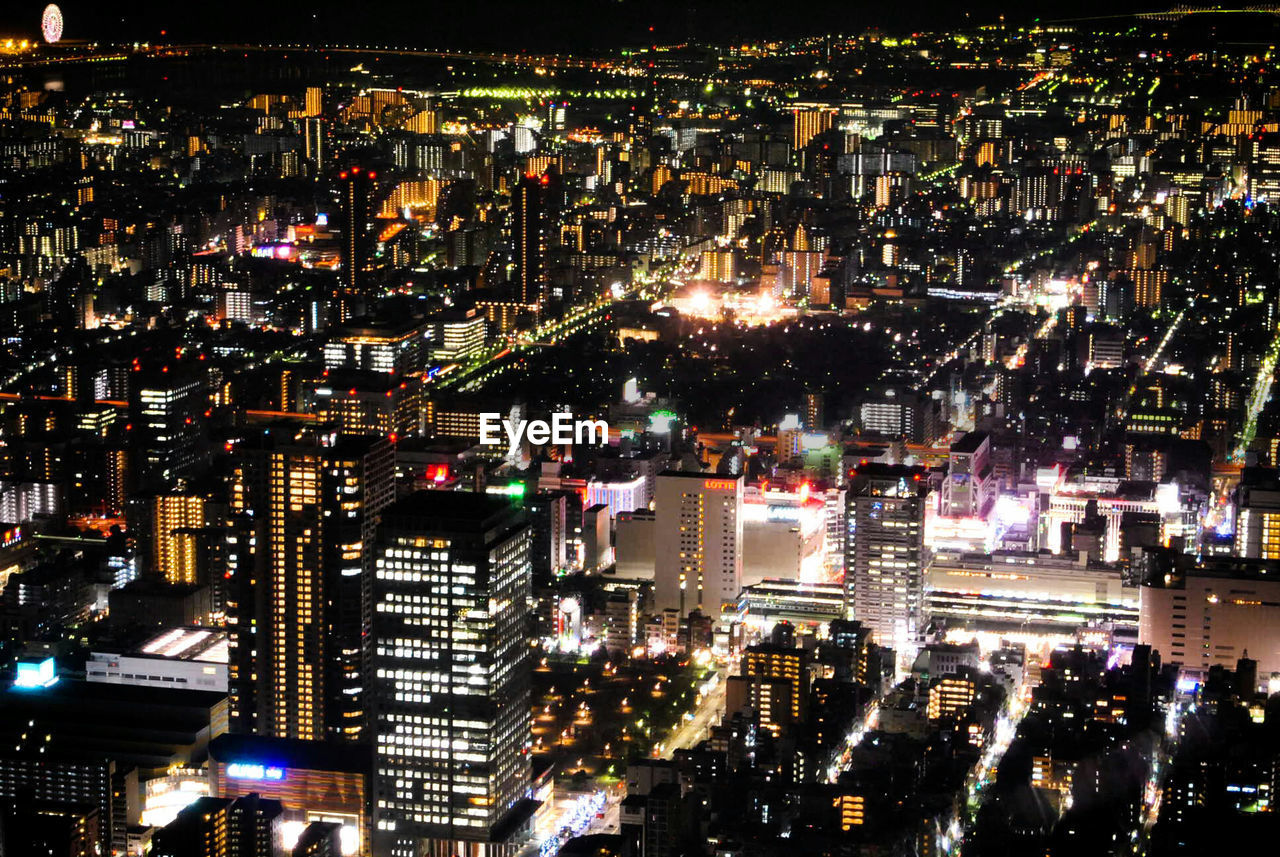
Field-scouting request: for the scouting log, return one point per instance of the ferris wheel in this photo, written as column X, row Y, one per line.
column 51, row 23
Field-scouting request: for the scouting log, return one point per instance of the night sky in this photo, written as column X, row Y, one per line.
column 550, row 24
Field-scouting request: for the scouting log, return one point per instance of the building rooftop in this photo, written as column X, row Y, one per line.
column 207, row 645
column 970, row 443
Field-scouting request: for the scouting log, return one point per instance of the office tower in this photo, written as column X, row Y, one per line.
column 395, row 347
column 597, row 553
column 898, row 412
column 621, row 621
column 307, row 501
column 451, row 674
column 884, row 564
column 313, row 140
column 698, row 542
column 357, row 199
column 529, row 237
column 459, row 335
column 166, row 424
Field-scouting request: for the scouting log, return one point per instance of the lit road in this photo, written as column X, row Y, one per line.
column 1152, row 792
column 708, row 714
column 1258, row 398
column 1019, row 357
column 573, row 813
column 1153, row 363
column 498, row 359
column 980, row 776
column 1164, row 342
column 853, row 739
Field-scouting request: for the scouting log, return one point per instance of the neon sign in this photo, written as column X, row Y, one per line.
column 720, row 484
column 250, row 771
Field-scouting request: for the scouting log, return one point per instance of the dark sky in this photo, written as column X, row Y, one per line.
column 531, row 24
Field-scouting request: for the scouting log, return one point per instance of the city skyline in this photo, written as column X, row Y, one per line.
column 574, row 25
column 634, row 430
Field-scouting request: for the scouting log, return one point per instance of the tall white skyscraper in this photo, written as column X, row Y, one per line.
column 451, row 672
column 884, row 559
column 698, row 542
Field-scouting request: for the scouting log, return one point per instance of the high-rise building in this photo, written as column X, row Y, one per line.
column 768, row 669
column 808, row 123
column 366, row 402
column 451, row 674
column 898, row 412
column 718, row 266
column 299, row 599
column 391, row 347
column 72, row 780
column 885, row 553
column 313, row 140
column 357, row 186
column 312, row 102
column 175, row 551
column 459, row 335
column 529, row 230
column 698, row 542
column 548, row 517
column 950, row 695
column 166, row 424
column 969, row 490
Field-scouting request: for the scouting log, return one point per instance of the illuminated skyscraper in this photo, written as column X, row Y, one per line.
column 357, row 200
column 312, row 105
column 308, row 502
column 884, row 564
column 698, row 542
column 314, row 140
column 529, row 237
column 174, row 542
column 166, row 424
column 451, row 671
column 809, row 123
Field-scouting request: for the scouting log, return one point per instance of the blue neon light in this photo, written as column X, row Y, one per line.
column 252, row 771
